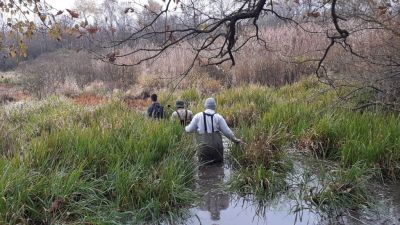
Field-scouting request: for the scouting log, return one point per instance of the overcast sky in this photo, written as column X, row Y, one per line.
column 68, row 4
column 61, row 4
column 64, row 4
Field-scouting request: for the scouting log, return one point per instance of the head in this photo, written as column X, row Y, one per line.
column 180, row 104
column 153, row 97
column 210, row 103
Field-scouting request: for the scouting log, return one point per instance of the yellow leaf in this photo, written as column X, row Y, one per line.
column 13, row 53
column 55, row 32
column 42, row 17
column 23, row 49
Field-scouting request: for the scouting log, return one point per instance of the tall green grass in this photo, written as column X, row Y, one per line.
column 61, row 163
column 368, row 137
column 313, row 121
column 306, row 116
column 81, row 165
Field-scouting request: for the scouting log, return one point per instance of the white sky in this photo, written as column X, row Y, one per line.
column 68, row 4
column 64, row 4
column 61, row 4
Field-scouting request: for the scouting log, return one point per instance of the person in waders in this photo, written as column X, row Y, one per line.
column 209, row 126
column 182, row 114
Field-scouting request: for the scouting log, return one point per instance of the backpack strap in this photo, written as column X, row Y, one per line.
column 179, row 115
column 183, row 122
column 205, row 122
column 212, row 123
column 186, row 114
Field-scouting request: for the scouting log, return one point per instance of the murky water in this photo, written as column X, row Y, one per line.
column 224, row 208
column 220, row 207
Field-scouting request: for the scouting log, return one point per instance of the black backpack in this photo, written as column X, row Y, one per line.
column 157, row 112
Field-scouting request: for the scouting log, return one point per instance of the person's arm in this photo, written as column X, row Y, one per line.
column 224, row 128
column 174, row 116
column 192, row 127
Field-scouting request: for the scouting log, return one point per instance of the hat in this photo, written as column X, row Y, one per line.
column 180, row 104
column 210, row 103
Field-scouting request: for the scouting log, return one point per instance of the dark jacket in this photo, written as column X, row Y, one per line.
column 155, row 110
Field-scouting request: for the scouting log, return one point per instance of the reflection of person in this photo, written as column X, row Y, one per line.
column 209, row 125
column 210, row 182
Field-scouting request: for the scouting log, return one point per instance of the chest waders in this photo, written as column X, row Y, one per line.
column 210, row 147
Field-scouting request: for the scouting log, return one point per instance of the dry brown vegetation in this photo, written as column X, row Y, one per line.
column 288, row 53
column 69, row 72
column 89, row 99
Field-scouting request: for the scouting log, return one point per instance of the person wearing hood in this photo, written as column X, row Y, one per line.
column 209, row 125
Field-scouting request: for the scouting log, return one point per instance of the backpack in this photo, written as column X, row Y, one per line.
column 185, row 120
column 157, row 111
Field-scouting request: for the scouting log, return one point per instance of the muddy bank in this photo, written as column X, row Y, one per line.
column 11, row 93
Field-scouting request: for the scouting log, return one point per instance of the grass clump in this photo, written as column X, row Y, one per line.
column 352, row 137
column 260, row 181
column 341, row 189
column 262, row 163
column 81, row 165
column 191, row 95
column 243, row 105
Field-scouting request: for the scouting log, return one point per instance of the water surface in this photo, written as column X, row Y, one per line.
column 221, row 207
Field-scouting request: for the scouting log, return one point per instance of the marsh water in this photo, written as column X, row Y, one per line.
column 218, row 206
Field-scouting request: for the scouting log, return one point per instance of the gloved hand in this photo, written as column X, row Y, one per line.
column 239, row 142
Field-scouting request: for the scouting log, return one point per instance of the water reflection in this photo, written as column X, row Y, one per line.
column 210, row 182
column 220, row 207
column 395, row 193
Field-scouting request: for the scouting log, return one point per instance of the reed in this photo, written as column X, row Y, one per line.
column 78, row 165
column 64, row 163
column 304, row 115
